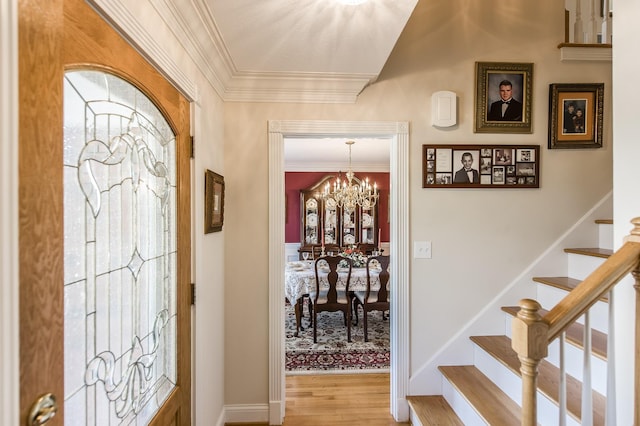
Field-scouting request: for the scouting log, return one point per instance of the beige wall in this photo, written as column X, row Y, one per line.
column 482, row 239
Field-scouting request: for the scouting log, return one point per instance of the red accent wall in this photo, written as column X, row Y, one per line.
column 295, row 181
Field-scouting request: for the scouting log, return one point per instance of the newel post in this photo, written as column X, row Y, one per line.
column 529, row 340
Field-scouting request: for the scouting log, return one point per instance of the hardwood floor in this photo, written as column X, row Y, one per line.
column 341, row 399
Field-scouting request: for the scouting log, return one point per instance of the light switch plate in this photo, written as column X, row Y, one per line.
column 422, row 249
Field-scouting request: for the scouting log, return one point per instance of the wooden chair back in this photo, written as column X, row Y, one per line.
column 332, row 276
column 383, row 292
column 332, row 300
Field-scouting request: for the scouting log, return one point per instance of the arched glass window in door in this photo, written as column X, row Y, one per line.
column 119, row 252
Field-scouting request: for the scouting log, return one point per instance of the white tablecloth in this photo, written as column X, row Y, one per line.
column 300, row 278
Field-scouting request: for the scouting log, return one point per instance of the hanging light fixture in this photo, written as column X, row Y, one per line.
column 348, row 193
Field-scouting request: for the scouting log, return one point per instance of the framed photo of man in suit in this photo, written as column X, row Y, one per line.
column 503, row 97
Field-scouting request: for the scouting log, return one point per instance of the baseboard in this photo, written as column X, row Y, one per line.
column 246, row 413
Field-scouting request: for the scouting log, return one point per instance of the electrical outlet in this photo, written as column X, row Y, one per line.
column 422, row 249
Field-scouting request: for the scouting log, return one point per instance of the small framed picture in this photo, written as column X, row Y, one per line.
column 480, row 166
column 575, row 115
column 213, row 202
column 503, row 97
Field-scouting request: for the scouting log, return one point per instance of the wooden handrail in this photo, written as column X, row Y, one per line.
column 589, row 291
column 532, row 333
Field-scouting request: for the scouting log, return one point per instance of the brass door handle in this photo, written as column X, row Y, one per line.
column 42, row 410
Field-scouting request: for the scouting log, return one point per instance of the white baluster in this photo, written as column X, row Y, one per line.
column 578, row 32
column 595, row 21
column 610, row 419
column 562, row 397
column 604, row 27
column 587, row 400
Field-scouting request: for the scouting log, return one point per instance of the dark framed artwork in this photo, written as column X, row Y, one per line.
column 213, row 202
column 503, row 97
column 575, row 115
column 480, row 166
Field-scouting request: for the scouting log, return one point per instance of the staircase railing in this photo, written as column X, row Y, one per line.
column 532, row 332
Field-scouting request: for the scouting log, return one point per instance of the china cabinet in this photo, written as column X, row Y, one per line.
column 323, row 222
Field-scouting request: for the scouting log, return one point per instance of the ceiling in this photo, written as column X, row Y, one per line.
column 295, row 50
column 309, row 51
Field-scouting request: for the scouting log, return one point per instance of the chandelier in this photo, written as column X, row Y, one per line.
column 352, row 192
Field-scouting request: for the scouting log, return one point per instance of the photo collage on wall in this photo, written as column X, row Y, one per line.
column 472, row 166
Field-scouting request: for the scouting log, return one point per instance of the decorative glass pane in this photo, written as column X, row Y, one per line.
column 120, row 244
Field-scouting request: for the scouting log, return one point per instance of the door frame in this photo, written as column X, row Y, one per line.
column 398, row 132
column 9, row 277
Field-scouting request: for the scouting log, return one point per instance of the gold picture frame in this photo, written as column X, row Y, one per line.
column 213, row 202
column 498, row 81
column 575, row 115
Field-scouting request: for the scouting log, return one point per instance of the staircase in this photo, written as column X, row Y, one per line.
column 489, row 391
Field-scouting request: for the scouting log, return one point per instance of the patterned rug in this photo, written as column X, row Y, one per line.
column 333, row 353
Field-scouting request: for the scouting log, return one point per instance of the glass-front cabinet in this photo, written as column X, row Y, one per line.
column 323, row 222
column 311, row 221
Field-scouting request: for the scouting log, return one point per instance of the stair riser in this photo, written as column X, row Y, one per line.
column 581, row 266
column 605, row 236
column 460, row 405
column 511, row 384
column 549, row 296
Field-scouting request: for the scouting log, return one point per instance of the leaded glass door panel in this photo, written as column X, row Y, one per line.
column 119, row 251
column 104, row 224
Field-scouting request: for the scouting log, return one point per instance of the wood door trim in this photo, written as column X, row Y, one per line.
column 40, row 229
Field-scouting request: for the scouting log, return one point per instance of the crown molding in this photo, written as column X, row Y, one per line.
column 117, row 13
column 195, row 28
column 296, row 87
column 247, row 86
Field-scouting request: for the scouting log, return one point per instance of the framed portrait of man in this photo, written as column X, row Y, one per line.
column 503, row 97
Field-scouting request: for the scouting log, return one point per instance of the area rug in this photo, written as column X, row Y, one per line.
column 332, row 353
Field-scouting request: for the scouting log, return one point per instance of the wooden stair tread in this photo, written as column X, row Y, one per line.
column 590, row 251
column 605, row 221
column 548, row 377
column 575, row 334
column 433, row 410
column 490, row 402
column 563, row 283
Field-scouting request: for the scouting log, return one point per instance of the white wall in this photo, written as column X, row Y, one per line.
column 626, row 181
column 482, row 238
column 9, row 268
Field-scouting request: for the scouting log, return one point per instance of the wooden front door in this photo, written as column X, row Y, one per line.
column 104, row 224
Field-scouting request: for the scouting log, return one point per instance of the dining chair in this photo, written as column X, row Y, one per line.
column 331, row 299
column 373, row 300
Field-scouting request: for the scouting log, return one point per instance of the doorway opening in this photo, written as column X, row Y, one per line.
column 314, row 221
column 398, row 134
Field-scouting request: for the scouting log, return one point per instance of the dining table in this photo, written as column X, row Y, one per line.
column 300, row 279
